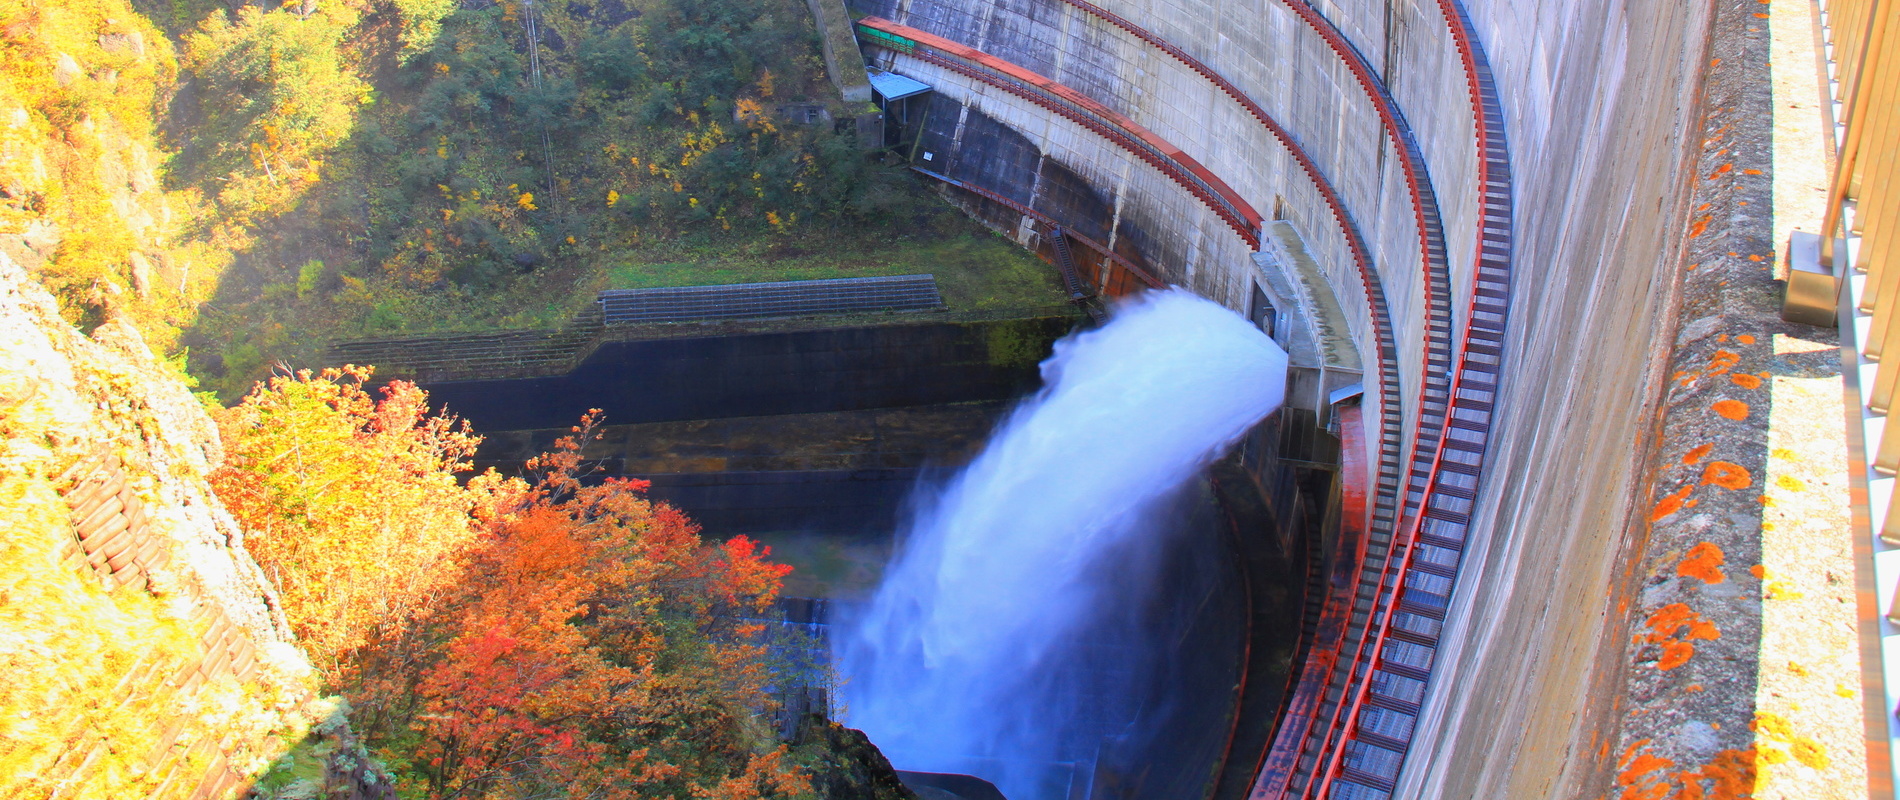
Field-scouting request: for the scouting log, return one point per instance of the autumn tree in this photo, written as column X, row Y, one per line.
column 506, row 638
column 279, row 95
column 352, row 504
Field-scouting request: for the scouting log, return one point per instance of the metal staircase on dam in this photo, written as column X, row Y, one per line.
column 1363, row 704
column 1072, row 277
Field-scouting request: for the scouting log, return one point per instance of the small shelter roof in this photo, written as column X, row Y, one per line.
column 893, row 86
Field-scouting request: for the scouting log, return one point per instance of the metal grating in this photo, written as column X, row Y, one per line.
column 778, row 299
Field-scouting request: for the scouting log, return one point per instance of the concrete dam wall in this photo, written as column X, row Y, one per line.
column 1482, row 202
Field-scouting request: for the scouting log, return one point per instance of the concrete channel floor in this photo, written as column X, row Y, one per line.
column 1742, row 666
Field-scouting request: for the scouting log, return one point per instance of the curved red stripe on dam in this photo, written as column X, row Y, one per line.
column 1068, row 94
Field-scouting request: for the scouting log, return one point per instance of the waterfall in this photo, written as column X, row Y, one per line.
column 1007, row 639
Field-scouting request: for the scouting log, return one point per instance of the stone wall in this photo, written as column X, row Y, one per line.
column 145, row 653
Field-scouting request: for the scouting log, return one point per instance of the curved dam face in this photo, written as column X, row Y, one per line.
column 1471, row 211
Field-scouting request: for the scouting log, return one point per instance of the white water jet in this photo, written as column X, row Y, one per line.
column 985, row 646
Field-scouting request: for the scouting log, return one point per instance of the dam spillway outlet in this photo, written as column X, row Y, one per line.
column 813, row 440
column 1036, row 627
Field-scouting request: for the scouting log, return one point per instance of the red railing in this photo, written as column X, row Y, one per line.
column 1424, row 207
column 1448, row 454
column 1079, row 108
column 1457, row 462
column 1386, row 363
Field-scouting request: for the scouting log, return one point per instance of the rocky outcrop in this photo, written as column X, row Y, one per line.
column 145, row 652
column 845, row 765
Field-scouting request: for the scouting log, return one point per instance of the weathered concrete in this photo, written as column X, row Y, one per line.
column 1601, row 101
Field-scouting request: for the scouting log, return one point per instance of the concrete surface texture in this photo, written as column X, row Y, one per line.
column 1606, row 106
column 1277, row 62
column 1739, row 659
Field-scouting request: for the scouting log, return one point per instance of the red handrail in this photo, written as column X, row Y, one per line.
column 1247, row 220
column 1493, row 266
column 1277, row 765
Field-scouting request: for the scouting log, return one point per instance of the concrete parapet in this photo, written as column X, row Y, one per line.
column 843, row 63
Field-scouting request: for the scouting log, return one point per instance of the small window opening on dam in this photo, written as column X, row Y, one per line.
column 821, row 442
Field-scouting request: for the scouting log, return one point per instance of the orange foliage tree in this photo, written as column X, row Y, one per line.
column 569, row 639
column 352, row 504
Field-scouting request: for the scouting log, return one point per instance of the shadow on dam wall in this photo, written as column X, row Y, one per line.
column 811, row 441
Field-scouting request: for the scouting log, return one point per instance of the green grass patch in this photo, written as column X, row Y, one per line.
column 976, row 270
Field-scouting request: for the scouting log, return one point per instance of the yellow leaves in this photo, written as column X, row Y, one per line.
column 355, row 502
column 613, row 198
column 525, row 201
column 448, row 214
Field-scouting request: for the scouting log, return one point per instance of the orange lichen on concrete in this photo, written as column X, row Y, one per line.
column 1704, row 562
column 1732, row 409
column 1720, row 171
column 1674, row 619
column 1671, row 503
column 1693, row 687
column 1727, row 475
column 1640, row 767
column 1755, row 257
column 1759, row 571
column 1790, row 483
column 1745, row 339
column 1745, row 380
column 1731, row 775
column 1699, row 226
column 1667, row 620
column 1696, row 454
column 1675, row 654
